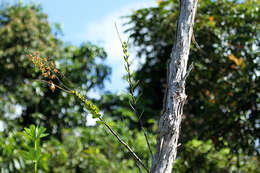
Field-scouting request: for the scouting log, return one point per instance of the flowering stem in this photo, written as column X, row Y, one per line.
column 132, row 88
column 93, row 109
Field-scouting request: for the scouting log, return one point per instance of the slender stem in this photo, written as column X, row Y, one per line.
column 118, row 34
column 138, row 167
column 126, row 56
column 65, row 90
column 135, row 110
column 35, row 161
column 95, row 112
column 125, row 145
column 62, row 75
column 35, row 166
column 62, row 83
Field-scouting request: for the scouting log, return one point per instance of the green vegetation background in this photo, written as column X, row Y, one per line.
column 220, row 127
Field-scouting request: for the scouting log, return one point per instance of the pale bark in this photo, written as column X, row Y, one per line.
column 175, row 97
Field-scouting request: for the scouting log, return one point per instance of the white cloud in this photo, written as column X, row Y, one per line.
column 104, row 34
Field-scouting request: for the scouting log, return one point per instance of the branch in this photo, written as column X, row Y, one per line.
column 93, row 109
column 138, row 167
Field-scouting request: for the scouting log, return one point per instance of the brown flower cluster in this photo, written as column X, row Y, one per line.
column 46, row 66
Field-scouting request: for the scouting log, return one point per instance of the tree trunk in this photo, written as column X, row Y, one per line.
column 175, row 97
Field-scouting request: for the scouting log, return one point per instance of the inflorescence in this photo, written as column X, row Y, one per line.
column 47, row 68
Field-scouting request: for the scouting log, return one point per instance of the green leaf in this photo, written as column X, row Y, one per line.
column 27, row 132
column 27, row 155
column 136, row 84
column 43, row 135
column 100, row 122
column 96, row 115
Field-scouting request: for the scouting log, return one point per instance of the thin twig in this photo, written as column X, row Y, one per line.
column 123, row 143
column 138, row 167
column 133, row 105
column 194, row 41
column 63, row 76
column 118, row 34
column 197, row 45
column 62, row 83
column 41, row 80
column 93, row 109
column 188, row 71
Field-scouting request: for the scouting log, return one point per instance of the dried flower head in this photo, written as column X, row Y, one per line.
column 52, row 64
column 48, row 70
column 53, row 76
column 52, row 86
column 55, row 70
column 47, row 67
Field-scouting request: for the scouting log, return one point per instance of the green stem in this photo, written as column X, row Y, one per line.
column 93, row 109
column 35, row 161
column 35, row 166
column 131, row 87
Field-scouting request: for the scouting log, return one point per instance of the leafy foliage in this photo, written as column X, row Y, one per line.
column 34, row 154
column 10, row 158
column 203, row 157
column 25, row 29
column 89, row 149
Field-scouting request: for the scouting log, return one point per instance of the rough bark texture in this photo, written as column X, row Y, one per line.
column 175, row 97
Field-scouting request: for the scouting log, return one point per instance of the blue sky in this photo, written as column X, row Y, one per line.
column 85, row 20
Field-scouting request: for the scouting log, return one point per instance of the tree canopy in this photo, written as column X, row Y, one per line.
column 25, row 29
column 223, row 98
